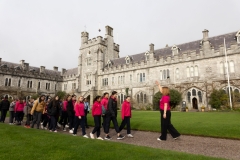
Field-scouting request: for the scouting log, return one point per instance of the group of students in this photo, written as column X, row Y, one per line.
column 72, row 113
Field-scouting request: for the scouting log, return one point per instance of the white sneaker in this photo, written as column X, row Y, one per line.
column 159, row 139
column 55, row 131
column 100, row 138
column 92, row 136
column 130, row 136
column 67, row 126
column 85, row 136
column 70, row 131
column 59, row 125
column 45, row 128
column 74, row 135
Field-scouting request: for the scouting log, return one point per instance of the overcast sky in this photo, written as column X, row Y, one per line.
column 48, row 32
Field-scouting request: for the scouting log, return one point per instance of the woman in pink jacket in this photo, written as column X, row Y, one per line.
column 96, row 113
column 79, row 117
column 19, row 111
column 126, row 115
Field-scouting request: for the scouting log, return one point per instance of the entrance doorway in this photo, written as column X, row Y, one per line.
column 195, row 103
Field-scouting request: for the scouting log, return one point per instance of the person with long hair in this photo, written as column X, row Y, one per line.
column 19, row 110
column 86, row 110
column 96, row 113
column 111, row 115
column 53, row 110
column 27, row 111
column 104, row 103
column 126, row 115
column 165, row 111
column 4, row 106
column 79, row 117
column 37, row 110
column 70, row 111
column 64, row 115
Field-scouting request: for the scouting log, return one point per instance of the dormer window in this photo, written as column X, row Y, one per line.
column 175, row 50
column 147, row 56
column 238, row 36
column 109, row 63
column 128, row 59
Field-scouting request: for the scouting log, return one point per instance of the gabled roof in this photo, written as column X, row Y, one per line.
column 72, row 71
column 190, row 46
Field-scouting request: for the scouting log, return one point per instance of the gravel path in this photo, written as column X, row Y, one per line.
column 213, row 147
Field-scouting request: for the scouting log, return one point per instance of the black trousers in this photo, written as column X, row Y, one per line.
column 36, row 119
column 86, row 112
column 19, row 116
column 167, row 126
column 3, row 114
column 115, row 123
column 104, row 122
column 63, row 119
column 45, row 120
column 28, row 119
column 79, row 122
column 11, row 116
column 125, row 121
column 53, row 123
column 97, row 122
column 71, row 122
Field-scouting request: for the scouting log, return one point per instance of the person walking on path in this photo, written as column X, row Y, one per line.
column 104, row 103
column 70, row 111
column 79, row 117
column 37, row 110
column 27, row 110
column 166, row 115
column 96, row 113
column 126, row 115
column 53, row 110
column 64, row 115
column 19, row 110
column 111, row 115
column 12, row 111
column 86, row 110
column 4, row 106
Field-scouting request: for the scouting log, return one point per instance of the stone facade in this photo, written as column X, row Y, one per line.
column 193, row 68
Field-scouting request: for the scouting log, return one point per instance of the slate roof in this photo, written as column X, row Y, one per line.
column 71, row 72
column 191, row 46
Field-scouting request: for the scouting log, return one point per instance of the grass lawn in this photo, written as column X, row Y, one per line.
column 212, row 124
column 21, row 143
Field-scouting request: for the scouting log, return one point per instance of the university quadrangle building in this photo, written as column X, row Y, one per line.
column 194, row 69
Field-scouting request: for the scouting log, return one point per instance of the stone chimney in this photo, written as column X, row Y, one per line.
column 151, row 49
column 205, row 35
column 42, row 69
column 63, row 71
column 55, row 68
column 26, row 66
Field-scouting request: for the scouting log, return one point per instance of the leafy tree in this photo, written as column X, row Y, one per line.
column 218, row 98
column 175, row 99
column 35, row 96
column 61, row 94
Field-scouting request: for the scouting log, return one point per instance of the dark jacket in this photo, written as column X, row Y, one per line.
column 5, row 104
column 112, row 107
column 70, row 108
column 53, row 108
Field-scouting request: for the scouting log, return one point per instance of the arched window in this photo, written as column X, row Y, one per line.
column 6, row 82
column 196, row 71
column 164, row 74
column 231, row 67
column 189, row 97
column 236, row 91
column 177, row 73
column 194, row 92
column 221, row 68
column 144, row 98
column 191, row 72
column 168, row 74
column 138, row 99
column 188, row 72
column 161, row 75
column 200, row 96
column 141, row 97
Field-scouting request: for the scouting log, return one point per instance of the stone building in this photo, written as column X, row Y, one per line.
column 193, row 68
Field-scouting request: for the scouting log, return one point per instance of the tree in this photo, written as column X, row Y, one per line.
column 175, row 99
column 218, row 98
column 61, row 94
column 35, row 96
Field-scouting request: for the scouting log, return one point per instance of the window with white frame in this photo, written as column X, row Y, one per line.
column 105, row 81
column 65, row 87
column 227, row 65
column 112, row 80
column 88, row 79
column 188, row 72
column 164, row 74
column 196, row 71
column 29, row 84
column 121, row 98
column 177, row 73
column 141, row 77
column 161, row 78
column 47, row 86
column 141, row 97
column 121, row 79
column 192, row 71
column 89, row 61
column 8, row 82
column 231, row 67
column 73, row 85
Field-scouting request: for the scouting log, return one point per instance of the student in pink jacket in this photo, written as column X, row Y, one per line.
column 104, row 103
column 126, row 115
column 19, row 111
column 79, row 117
column 96, row 113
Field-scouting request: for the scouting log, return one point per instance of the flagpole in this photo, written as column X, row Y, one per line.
column 229, row 91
